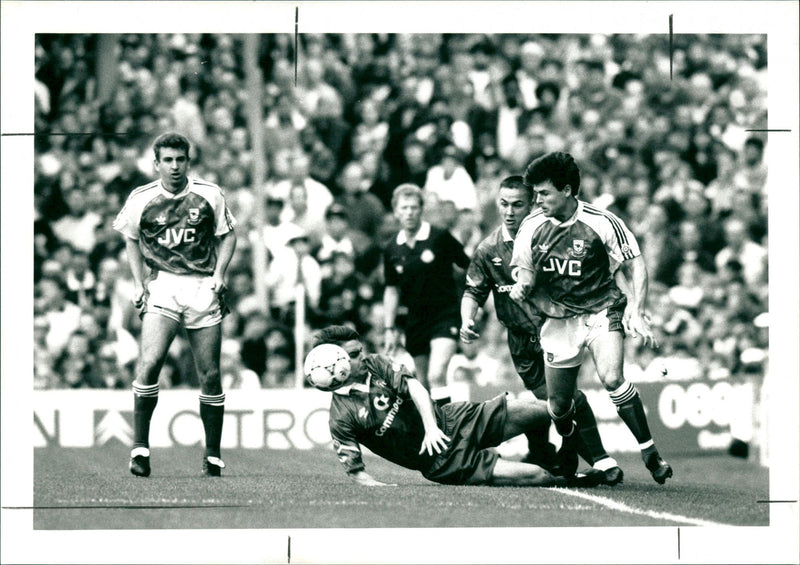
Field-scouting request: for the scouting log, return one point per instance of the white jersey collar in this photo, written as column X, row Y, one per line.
column 423, row 233
column 572, row 219
column 361, row 387
column 505, row 233
column 169, row 194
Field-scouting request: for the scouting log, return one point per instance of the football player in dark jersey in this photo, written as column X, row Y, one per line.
column 179, row 240
column 568, row 252
column 490, row 272
column 384, row 407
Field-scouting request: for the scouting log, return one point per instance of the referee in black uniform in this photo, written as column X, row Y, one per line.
column 418, row 269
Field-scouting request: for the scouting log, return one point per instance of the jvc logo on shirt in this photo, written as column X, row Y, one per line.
column 569, row 267
column 176, row 236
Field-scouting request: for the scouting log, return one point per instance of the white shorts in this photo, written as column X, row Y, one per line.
column 187, row 299
column 564, row 340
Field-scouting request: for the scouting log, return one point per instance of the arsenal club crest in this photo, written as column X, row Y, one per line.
column 578, row 249
column 194, row 216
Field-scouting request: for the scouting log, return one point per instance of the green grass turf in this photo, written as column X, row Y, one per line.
column 92, row 489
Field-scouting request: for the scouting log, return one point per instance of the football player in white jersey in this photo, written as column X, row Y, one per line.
column 568, row 252
column 179, row 240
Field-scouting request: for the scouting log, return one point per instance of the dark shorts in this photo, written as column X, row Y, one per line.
column 419, row 333
column 528, row 357
column 472, row 427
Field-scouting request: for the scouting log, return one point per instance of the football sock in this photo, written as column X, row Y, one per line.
column 539, row 447
column 605, row 463
column 564, row 424
column 630, row 409
column 212, row 411
column 145, row 398
column 591, row 447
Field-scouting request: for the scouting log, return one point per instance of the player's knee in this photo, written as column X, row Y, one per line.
column 559, row 405
column 612, row 381
column 210, row 381
column 147, row 371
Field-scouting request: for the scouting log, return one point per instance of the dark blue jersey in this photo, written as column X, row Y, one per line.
column 380, row 415
column 573, row 262
column 490, row 271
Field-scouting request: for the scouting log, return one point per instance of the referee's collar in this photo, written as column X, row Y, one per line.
column 423, row 233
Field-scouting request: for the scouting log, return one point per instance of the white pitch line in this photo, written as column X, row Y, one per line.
column 614, row 505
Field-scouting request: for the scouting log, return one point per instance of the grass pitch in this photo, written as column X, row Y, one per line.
column 86, row 489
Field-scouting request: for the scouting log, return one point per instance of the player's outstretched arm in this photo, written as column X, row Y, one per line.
column 435, row 440
column 469, row 309
column 365, row 479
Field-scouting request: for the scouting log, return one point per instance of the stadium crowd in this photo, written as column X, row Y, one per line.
column 664, row 144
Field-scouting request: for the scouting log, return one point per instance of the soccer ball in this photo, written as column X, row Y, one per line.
column 327, row 366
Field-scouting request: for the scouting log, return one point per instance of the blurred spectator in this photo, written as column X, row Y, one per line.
column 293, row 267
column 753, row 175
column 340, row 237
column 306, row 206
column 449, row 180
column 80, row 280
column 371, row 132
column 62, row 316
column 364, row 210
column 752, row 256
column 130, row 174
column 76, row 364
column 234, row 374
column 472, row 365
column 77, row 228
column 276, row 232
column 44, row 375
column 341, row 292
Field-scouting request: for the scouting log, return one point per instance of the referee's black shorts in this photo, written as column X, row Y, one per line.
column 420, row 330
column 528, row 358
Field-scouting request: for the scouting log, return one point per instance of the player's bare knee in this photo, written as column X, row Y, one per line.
column 210, row 382
column 559, row 404
column 612, row 382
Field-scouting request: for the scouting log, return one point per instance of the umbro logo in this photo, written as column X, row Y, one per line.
column 497, row 261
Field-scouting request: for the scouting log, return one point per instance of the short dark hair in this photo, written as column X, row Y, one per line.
column 336, row 335
column 558, row 167
column 173, row 141
column 516, row 181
